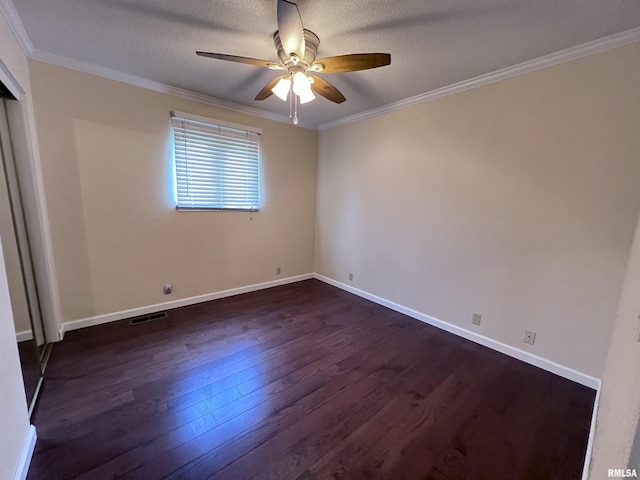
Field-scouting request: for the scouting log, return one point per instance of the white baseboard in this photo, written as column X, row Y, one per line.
column 514, row 352
column 22, row 336
column 27, row 454
column 135, row 312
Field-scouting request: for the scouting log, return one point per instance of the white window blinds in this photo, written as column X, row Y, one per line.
column 217, row 164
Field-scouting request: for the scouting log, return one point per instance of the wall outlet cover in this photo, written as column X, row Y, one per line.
column 529, row 337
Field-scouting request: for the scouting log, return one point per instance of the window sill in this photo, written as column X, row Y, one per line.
column 203, row 209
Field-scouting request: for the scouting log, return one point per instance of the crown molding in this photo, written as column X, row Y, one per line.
column 136, row 81
column 562, row 56
column 9, row 12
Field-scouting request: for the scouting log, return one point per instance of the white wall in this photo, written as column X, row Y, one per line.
column 617, row 421
column 516, row 200
column 13, row 404
column 14, row 419
column 117, row 238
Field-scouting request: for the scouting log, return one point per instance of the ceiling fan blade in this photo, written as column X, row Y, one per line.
column 327, row 90
column 234, row 58
column 266, row 91
column 290, row 28
column 353, row 62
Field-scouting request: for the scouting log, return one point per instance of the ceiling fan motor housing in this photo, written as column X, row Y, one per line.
column 311, row 42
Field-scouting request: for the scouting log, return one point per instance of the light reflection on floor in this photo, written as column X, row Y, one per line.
column 217, row 410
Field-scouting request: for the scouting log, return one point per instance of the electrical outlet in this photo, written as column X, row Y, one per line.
column 168, row 288
column 351, row 276
column 277, row 270
column 529, row 337
column 476, row 318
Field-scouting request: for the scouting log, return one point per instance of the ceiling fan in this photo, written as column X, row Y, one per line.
column 296, row 48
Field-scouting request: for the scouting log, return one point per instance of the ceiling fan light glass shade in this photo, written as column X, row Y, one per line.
column 281, row 90
column 306, row 96
column 302, row 87
column 301, row 83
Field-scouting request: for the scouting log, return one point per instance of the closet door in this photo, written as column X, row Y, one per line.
column 20, row 273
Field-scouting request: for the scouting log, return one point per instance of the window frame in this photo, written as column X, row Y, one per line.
column 212, row 122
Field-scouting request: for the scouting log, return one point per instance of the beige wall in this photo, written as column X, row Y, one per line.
column 517, row 200
column 13, row 406
column 117, row 237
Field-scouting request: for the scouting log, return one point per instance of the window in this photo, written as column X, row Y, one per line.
column 216, row 163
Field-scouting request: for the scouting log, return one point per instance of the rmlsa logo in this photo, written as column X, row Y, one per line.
column 622, row 473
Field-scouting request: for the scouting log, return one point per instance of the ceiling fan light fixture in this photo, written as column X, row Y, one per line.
column 302, row 87
column 281, row 90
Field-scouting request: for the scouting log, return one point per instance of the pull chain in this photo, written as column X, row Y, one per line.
column 291, row 95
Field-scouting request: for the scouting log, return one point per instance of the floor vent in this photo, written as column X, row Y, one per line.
column 148, row 318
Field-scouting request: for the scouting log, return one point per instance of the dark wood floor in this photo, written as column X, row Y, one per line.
column 302, row 381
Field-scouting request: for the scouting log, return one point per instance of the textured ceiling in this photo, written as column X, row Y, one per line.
column 432, row 43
